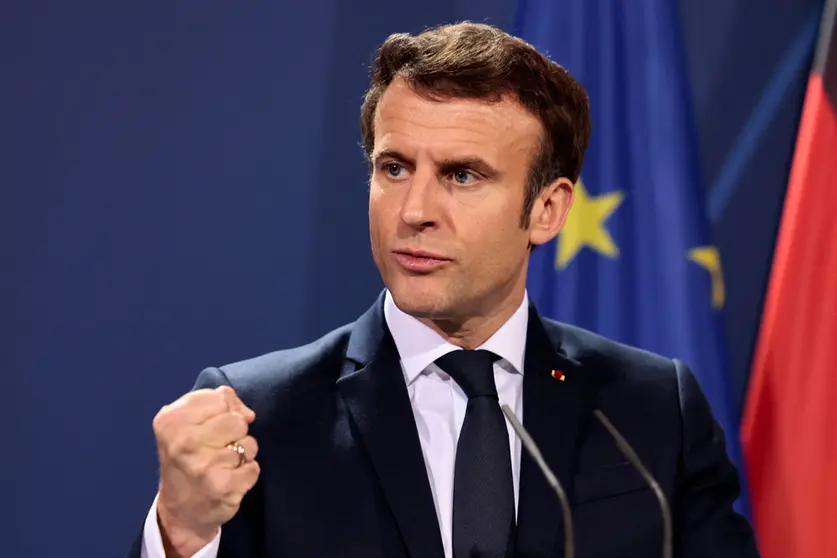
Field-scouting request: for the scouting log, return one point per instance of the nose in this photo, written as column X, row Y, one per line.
column 418, row 209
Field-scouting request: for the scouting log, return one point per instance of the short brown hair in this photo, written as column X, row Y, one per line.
column 478, row 61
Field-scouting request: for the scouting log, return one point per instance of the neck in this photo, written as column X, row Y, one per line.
column 477, row 328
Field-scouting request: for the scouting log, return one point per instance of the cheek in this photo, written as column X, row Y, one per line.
column 375, row 206
column 497, row 243
column 385, row 207
column 383, row 216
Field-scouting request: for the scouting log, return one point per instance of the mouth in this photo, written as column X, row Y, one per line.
column 419, row 261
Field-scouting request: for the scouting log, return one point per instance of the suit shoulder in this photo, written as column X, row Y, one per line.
column 611, row 360
column 637, row 389
column 319, row 359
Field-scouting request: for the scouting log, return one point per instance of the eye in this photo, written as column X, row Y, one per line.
column 463, row 177
column 394, row 170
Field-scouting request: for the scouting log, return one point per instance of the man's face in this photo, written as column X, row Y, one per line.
column 445, row 202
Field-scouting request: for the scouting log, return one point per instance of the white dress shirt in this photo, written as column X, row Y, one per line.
column 438, row 407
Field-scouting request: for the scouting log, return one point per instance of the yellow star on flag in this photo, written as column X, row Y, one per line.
column 585, row 225
column 709, row 258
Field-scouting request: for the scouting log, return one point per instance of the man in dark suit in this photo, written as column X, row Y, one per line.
column 386, row 438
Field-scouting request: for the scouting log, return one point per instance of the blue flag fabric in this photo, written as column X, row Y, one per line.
column 634, row 261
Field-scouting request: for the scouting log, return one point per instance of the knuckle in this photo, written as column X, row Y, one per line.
column 197, row 468
column 254, row 445
column 218, row 483
column 236, row 420
column 186, row 400
column 185, row 443
column 234, row 499
column 194, row 398
column 224, row 399
column 169, row 413
column 253, row 472
column 241, row 483
column 169, row 443
column 241, row 425
column 174, row 448
column 233, row 426
column 161, row 419
column 157, row 426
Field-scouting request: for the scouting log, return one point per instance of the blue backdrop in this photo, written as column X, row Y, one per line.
column 181, row 185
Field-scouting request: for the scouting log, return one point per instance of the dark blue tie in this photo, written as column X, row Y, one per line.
column 483, row 493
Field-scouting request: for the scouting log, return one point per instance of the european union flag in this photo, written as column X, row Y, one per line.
column 634, row 261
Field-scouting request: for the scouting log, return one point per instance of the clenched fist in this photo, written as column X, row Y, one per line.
column 202, row 480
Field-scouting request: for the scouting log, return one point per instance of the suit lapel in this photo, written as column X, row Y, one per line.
column 553, row 411
column 373, row 388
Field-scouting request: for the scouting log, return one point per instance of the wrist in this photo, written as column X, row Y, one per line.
column 181, row 540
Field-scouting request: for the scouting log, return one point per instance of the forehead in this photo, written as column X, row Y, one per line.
column 405, row 120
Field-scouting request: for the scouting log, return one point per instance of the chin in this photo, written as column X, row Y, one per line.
column 419, row 299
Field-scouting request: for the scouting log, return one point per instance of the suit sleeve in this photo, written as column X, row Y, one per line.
column 705, row 523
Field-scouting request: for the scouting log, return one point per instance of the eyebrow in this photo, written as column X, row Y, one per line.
column 389, row 154
column 446, row 166
column 474, row 163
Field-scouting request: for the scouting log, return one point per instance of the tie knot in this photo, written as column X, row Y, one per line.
column 472, row 370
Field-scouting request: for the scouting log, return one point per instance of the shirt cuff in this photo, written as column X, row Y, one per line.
column 152, row 539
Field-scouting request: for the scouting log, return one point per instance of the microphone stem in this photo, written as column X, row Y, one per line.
column 626, row 449
column 629, row 452
column 532, row 449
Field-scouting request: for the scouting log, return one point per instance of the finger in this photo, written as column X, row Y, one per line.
column 226, row 483
column 220, row 430
column 245, row 477
column 198, row 406
column 251, row 447
column 235, row 403
column 228, row 458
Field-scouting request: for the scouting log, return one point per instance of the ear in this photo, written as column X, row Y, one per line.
column 550, row 210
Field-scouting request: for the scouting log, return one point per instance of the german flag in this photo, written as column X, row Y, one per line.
column 789, row 428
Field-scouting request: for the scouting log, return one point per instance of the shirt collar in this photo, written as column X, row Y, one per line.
column 419, row 346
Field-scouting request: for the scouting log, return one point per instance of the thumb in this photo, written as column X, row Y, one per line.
column 235, row 404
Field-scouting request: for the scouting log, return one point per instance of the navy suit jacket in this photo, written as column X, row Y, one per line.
column 342, row 472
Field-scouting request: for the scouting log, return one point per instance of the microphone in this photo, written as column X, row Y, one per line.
column 630, row 455
column 535, row 453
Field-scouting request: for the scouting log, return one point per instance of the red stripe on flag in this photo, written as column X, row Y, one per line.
column 789, row 429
